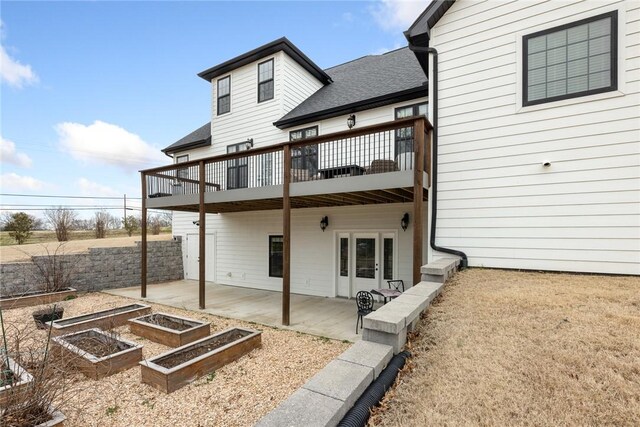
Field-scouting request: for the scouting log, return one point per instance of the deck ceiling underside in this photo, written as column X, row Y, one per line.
column 371, row 197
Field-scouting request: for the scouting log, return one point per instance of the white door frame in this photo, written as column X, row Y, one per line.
column 382, row 233
column 210, row 253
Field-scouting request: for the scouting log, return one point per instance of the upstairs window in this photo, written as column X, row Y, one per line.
column 265, row 81
column 224, row 95
column 572, row 60
column 182, row 172
column 304, row 158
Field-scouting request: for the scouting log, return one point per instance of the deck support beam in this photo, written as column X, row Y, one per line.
column 202, row 229
column 418, row 190
column 286, row 238
column 143, row 242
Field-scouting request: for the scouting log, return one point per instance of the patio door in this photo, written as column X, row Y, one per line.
column 192, row 270
column 366, row 260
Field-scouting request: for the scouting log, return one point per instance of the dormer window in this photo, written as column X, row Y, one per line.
column 265, row 80
column 224, row 95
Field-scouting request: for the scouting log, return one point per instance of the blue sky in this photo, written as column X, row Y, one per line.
column 91, row 91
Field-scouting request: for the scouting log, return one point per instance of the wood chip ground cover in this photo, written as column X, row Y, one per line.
column 502, row 348
column 239, row 394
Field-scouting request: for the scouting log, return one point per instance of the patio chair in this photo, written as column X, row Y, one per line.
column 381, row 166
column 397, row 285
column 364, row 300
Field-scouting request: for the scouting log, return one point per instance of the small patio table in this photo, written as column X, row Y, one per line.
column 386, row 293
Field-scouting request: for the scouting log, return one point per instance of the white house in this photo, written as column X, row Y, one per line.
column 327, row 182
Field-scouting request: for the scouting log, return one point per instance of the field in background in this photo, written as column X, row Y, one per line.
column 45, row 236
column 510, row 348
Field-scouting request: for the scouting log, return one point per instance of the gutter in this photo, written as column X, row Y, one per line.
column 433, row 97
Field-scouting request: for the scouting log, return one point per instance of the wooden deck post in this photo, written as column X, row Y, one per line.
column 143, row 243
column 286, row 238
column 419, row 147
column 201, row 237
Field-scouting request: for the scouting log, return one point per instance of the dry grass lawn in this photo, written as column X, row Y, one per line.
column 518, row 348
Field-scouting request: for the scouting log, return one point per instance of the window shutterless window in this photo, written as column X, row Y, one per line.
column 265, row 80
column 572, row 60
column 183, row 172
column 224, row 95
column 305, row 157
column 237, row 169
column 276, row 245
column 404, row 136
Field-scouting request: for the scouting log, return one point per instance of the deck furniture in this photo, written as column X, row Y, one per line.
column 341, row 171
column 364, row 300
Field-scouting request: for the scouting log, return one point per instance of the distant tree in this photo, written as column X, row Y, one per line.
column 62, row 220
column 155, row 223
column 130, row 224
column 20, row 226
column 103, row 221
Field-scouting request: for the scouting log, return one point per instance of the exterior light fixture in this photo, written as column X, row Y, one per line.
column 351, row 121
column 196, row 223
column 324, row 223
column 404, row 222
column 249, row 143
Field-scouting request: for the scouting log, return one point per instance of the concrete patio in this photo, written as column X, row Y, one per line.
column 328, row 317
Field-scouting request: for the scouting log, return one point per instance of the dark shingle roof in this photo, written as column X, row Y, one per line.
column 198, row 138
column 364, row 83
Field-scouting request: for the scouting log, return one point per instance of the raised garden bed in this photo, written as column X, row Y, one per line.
column 106, row 319
column 13, row 381
column 169, row 329
column 57, row 419
column 98, row 354
column 176, row 368
column 29, row 299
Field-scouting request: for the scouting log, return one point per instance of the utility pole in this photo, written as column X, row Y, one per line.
column 125, row 212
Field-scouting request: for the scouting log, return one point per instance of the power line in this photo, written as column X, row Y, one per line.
column 67, row 197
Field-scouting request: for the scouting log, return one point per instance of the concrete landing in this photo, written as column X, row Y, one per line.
column 328, row 317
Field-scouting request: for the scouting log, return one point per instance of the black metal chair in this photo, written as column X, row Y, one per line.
column 364, row 300
column 397, row 285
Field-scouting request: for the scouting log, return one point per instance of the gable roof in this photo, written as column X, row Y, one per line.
column 281, row 44
column 368, row 82
column 418, row 33
column 200, row 137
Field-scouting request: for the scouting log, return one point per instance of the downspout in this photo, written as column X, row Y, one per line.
column 433, row 194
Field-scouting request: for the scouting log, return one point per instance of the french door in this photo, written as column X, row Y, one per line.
column 366, row 262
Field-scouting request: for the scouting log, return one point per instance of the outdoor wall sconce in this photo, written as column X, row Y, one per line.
column 249, row 143
column 351, row 121
column 196, row 223
column 324, row 223
column 404, row 222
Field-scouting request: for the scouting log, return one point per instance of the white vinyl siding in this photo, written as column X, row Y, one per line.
column 242, row 244
column 496, row 201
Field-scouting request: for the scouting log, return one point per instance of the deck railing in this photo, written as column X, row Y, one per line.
column 375, row 149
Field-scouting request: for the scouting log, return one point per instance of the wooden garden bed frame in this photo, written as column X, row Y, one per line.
column 171, row 379
column 99, row 367
column 24, row 379
column 167, row 336
column 29, row 299
column 105, row 319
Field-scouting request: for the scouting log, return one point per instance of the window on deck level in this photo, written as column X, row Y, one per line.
column 404, row 136
column 276, row 245
column 304, row 157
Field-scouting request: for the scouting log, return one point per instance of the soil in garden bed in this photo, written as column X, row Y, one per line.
column 20, row 416
column 99, row 314
column 169, row 322
column 33, row 293
column 97, row 344
column 187, row 354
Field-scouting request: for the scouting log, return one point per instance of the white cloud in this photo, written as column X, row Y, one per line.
column 11, row 182
column 103, row 142
column 394, row 15
column 90, row 188
column 14, row 73
column 9, row 154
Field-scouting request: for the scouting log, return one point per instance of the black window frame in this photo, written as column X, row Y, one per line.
column 182, row 172
column 271, row 80
column 407, row 139
column 218, row 97
column 274, row 255
column 613, row 52
column 306, row 156
column 239, row 168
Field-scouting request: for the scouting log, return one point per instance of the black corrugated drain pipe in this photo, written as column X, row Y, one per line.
column 358, row 415
column 433, row 193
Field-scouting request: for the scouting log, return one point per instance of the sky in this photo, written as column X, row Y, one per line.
column 91, row 92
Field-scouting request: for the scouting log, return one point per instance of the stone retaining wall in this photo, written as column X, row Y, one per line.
column 101, row 268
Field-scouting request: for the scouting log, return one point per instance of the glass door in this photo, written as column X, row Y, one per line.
column 344, row 276
column 366, row 262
